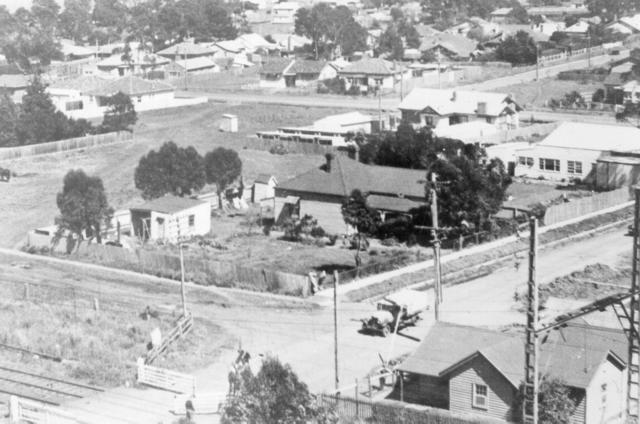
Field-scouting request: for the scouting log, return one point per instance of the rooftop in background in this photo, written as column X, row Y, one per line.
column 138, row 58
column 575, row 135
column 189, row 49
column 372, row 66
column 192, row 64
column 13, row 81
column 448, row 101
column 458, row 44
column 169, row 204
column 83, row 83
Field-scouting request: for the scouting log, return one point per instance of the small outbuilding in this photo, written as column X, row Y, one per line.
column 170, row 218
column 264, row 187
column 229, row 123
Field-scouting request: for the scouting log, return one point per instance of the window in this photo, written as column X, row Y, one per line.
column 428, row 120
column 77, row 105
column 550, row 165
column 524, row 160
column 574, row 167
column 480, row 396
column 192, row 220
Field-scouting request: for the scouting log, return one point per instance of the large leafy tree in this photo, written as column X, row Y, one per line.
column 360, row 216
column 39, row 121
column 222, row 167
column 518, row 49
column 391, row 43
column 75, row 20
column 110, row 14
column 8, row 121
column 555, row 401
column 274, row 395
column 120, row 115
column 83, row 205
column 171, row 169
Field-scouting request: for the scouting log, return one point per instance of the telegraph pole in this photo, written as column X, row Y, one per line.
column 589, row 48
column 436, row 248
column 336, row 281
column 537, row 62
column 182, row 290
column 633, row 366
column 530, row 402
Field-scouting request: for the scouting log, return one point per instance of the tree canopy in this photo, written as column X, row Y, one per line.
column 222, row 167
column 8, row 121
column 274, row 395
column 330, row 28
column 170, row 170
column 555, row 401
column 83, row 205
column 120, row 115
column 518, row 49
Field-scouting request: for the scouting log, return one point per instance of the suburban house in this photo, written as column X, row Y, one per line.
column 15, row 85
column 370, row 74
column 501, row 15
column 572, row 150
column 451, row 46
column 141, row 63
column 334, row 130
column 321, row 191
column 476, row 371
column 189, row 50
column 444, row 108
column 194, row 65
column 272, row 72
column 618, row 76
column 287, row 73
column 84, row 96
column 284, row 12
column 627, row 25
column 170, row 218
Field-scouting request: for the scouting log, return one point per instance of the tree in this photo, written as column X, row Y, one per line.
column 222, row 166
column 83, row 205
column 171, row 169
column 75, row 21
column 38, row 121
column 8, row 121
column 110, row 14
column 405, row 148
column 120, row 115
column 391, row 43
column 555, row 401
column 518, row 12
column 357, row 214
column 314, row 24
column 518, row 49
column 274, row 395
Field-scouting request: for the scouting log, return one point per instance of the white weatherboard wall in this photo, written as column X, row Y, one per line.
column 608, row 405
column 563, row 154
column 169, row 226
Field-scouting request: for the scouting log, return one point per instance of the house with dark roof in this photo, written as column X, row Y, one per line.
column 171, row 218
column 452, row 46
column 141, row 63
column 289, row 73
column 371, row 74
column 195, row 65
column 321, row 191
column 476, row 371
column 189, row 50
column 85, row 96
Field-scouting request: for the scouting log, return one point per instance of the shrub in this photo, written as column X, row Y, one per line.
column 318, row 231
column 278, row 149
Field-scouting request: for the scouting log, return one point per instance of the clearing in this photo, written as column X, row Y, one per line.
column 537, row 93
column 29, row 199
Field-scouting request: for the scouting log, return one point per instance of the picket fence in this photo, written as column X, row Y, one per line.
column 64, row 145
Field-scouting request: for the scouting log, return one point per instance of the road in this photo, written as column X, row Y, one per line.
column 303, row 336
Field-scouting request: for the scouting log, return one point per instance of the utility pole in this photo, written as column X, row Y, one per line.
column 336, row 281
column 186, row 71
column 588, row 49
column 379, row 109
column 182, row 292
column 537, row 62
column 530, row 402
column 438, row 59
column 633, row 366
column 437, row 289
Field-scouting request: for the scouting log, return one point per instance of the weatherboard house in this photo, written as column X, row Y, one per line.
column 170, row 218
column 321, row 191
column 476, row 371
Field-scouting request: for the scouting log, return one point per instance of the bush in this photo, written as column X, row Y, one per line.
column 318, row 232
column 278, row 149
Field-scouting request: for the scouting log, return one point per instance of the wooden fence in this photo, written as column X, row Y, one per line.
column 165, row 379
column 582, row 206
column 291, row 146
column 199, row 269
column 23, row 410
column 182, row 328
column 64, row 145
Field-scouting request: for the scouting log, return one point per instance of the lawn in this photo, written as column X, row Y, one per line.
column 28, row 201
column 537, row 93
column 524, row 193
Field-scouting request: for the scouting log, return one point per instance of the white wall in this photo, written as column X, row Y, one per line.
column 178, row 223
column 606, row 406
column 269, row 83
column 586, row 157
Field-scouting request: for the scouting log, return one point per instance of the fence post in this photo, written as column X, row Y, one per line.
column 356, row 397
column 96, row 305
column 140, row 371
column 370, row 389
column 14, row 409
column 401, row 376
column 26, row 291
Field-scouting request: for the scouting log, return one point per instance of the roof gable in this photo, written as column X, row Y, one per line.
column 449, row 101
column 371, row 66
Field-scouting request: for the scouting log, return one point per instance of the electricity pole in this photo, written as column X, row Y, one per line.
column 436, row 247
column 182, row 292
column 335, row 327
column 537, row 62
column 530, row 402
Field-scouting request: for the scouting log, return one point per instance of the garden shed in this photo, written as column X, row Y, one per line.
column 170, row 218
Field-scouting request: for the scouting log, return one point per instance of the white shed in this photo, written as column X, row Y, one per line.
column 171, row 217
column 229, row 123
column 264, row 187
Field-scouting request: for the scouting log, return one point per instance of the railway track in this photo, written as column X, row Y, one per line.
column 41, row 388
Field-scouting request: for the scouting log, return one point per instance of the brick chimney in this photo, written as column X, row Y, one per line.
column 329, row 158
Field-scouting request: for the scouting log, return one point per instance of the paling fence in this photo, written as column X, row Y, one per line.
column 64, row 145
column 585, row 205
column 292, row 146
column 199, row 269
